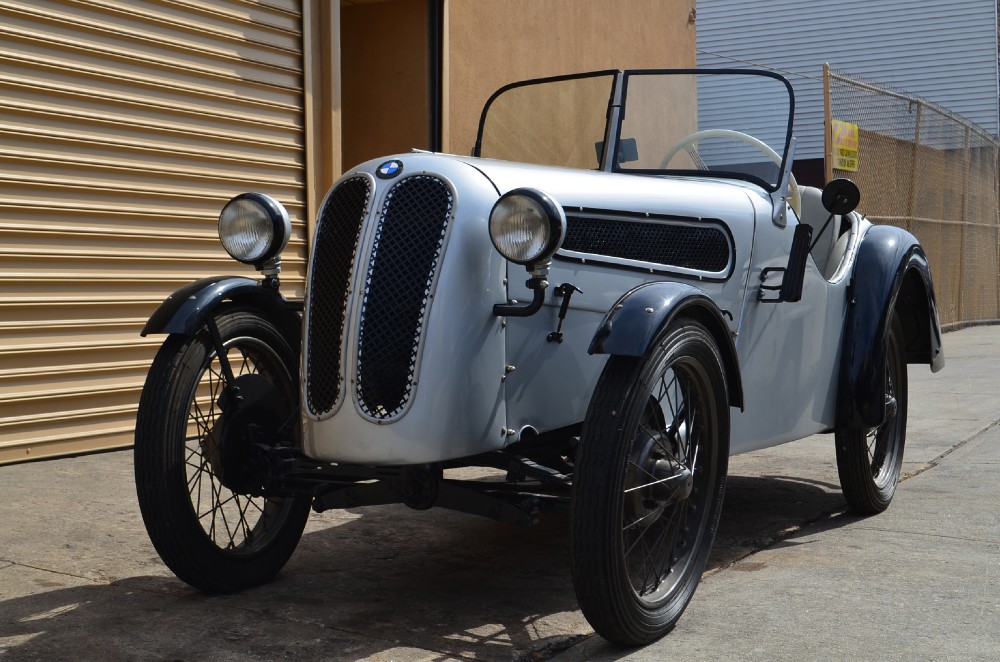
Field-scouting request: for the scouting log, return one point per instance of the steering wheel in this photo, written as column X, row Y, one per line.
column 687, row 144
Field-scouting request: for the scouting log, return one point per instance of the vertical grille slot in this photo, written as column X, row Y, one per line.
column 405, row 253
column 330, row 289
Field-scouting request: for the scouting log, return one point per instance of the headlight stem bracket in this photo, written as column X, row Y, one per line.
column 537, row 284
column 270, row 269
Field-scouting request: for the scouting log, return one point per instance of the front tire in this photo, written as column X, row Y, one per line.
column 649, row 485
column 211, row 526
column 869, row 459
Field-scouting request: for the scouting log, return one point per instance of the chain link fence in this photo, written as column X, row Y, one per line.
column 925, row 169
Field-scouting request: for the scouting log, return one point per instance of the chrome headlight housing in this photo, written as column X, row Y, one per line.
column 254, row 228
column 527, row 227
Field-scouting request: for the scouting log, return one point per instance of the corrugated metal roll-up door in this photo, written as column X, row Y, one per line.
column 124, row 128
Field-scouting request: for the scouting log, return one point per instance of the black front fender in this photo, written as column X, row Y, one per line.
column 637, row 318
column 891, row 273
column 184, row 311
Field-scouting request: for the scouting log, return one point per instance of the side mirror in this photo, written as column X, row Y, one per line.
column 841, row 196
column 628, row 150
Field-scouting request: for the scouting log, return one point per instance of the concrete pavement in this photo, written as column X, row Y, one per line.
column 791, row 576
column 918, row 582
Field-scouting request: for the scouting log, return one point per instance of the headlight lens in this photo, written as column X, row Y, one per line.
column 254, row 227
column 526, row 226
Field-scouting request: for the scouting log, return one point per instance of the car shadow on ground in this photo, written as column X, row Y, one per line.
column 761, row 510
column 384, row 582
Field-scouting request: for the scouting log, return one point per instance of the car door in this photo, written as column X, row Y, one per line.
column 789, row 351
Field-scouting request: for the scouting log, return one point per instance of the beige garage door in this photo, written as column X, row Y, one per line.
column 124, row 127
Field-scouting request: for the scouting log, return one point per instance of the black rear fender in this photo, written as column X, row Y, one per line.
column 891, row 273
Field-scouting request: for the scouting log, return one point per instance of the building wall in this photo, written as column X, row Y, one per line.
column 489, row 43
column 943, row 52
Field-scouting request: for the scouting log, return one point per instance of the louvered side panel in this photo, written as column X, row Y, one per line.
column 124, row 128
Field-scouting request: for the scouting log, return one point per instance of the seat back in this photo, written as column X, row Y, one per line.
column 815, row 215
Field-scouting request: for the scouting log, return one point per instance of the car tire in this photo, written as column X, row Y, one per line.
column 640, row 543
column 869, row 459
column 215, row 538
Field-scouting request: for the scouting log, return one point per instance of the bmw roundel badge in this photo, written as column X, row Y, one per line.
column 389, row 169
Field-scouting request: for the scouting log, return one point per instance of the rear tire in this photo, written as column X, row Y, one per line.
column 869, row 459
column 649, row 485
column 215, row 538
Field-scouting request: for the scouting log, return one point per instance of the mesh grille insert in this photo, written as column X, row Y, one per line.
column 405, row 254
column 702, row 248
column 330, row 289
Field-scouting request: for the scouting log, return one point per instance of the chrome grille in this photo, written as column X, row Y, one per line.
column 408, row 243
column 330, row 289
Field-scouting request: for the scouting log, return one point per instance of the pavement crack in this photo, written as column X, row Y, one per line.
column 553, row 648
column 62, row 573
column 778, row 537
column 936, row 461
column 924, row 534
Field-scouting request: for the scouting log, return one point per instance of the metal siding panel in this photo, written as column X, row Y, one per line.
column 944, row 52
column 124, row 128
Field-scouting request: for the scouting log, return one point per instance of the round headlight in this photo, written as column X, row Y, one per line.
column 527, row 226
column 254, row 227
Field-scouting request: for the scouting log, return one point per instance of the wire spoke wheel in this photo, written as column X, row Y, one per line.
column 662, row 461
column 198, row 484
column 240, row 523
column 870, row 459
column 649, row 485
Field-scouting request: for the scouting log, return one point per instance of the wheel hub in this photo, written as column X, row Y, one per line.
column 891, row 407
column 655, row 481
column 674, row 482
column 253, row 413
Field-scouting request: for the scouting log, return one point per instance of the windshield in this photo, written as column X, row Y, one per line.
column 551, row 121
column 725, row 123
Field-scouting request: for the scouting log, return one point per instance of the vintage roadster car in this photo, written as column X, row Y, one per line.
column 621, row 287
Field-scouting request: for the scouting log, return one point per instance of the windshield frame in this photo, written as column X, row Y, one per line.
column 616, row 113
column 616, row 75
column 723, row 174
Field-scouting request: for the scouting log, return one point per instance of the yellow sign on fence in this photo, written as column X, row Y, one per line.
column 845, row 145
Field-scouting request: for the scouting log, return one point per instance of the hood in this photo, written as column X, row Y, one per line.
column 594, row 189
column 667, row 195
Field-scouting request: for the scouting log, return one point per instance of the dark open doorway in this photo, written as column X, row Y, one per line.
column 391, row 68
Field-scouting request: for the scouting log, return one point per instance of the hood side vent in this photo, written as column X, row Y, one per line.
column 701, row 246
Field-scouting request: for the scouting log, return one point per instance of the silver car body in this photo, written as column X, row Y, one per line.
column 479, row 380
